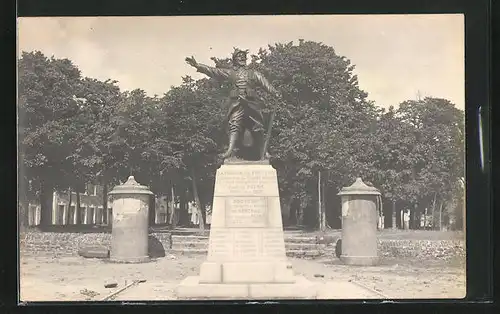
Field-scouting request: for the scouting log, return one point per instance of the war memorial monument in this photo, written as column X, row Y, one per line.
column 246, row 256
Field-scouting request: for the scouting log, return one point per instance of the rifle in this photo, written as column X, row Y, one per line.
column 270, row 127
column 268, row 134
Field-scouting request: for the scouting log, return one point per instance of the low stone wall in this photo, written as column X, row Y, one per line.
column 438, row 250
column 55, row 243
column 420, row 249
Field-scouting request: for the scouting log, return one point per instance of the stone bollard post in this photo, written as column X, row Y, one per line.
column 130, row 228
column 359, row 224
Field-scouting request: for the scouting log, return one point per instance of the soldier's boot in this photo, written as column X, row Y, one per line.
column 232, row 144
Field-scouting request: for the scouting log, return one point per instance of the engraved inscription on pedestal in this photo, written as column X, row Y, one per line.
column 246, row 212
column 254, row 181
column 273, row 244
column 246, row 245
column 220, row 244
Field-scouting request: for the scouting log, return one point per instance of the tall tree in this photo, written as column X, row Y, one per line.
column 193, row 115
column 46, row 108
column 318, row 125
column 74, row 130
column 439, row 148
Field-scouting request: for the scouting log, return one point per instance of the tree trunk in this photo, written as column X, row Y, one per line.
column 321, row 216
column 105, row 196
column 323, row 204
column 292, row 220
column 433, row 225
column 380, row 212
column 172, row 221
column 23, row 212
column 152, row 207
column 441, row 216
column 286, row 209
column 174, row 214
column 23, row 206
column 414, row 217
column 182, row 213
column 78, row 209
column 68, row 212
column 401, row 216
column 425, row 217
column 105, row 202
column 319, row 201
column 151, row 211
column 300, row 215
column 199, row 205
column 394, row 224
column 46, row 193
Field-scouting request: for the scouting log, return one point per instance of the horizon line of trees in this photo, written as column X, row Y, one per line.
column 75, row 129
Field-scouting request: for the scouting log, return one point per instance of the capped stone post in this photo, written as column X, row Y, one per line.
column 359, row 224
column 129, row 237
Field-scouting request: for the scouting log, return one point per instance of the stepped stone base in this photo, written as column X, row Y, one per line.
column 246, row 251
column 191, row 288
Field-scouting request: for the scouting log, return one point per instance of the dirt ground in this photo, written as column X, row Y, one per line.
column 80, row 279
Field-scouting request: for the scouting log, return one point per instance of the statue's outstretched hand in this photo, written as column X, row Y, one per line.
column 191, row 61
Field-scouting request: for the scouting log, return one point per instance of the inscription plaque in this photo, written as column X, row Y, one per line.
column 246, row 212
column 255, row 182
column 246, row 244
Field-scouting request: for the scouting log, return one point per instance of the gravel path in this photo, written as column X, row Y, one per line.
column 79, row 279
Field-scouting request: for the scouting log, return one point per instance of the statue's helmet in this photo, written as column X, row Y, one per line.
column 237, row 52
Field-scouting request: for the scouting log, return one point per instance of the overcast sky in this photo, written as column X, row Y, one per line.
column 396, row 56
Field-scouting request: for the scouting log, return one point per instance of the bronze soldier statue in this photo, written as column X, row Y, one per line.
column 244, row 116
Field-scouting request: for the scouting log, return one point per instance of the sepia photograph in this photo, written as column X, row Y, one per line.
column 241, row 157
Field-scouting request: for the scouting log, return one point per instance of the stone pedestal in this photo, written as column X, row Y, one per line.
column 246, row 254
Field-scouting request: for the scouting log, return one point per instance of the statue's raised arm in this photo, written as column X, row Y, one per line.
column 264, row 83
column 213, row 72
